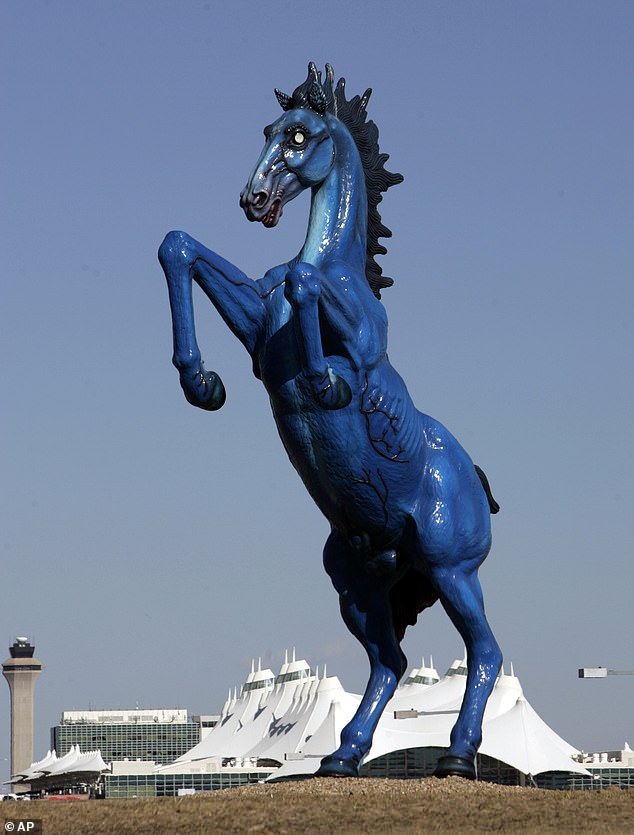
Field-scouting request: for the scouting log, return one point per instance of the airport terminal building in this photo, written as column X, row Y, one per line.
column 280, row 726
column 161, row 735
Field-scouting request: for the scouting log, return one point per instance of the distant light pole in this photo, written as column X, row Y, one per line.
column 602, row 672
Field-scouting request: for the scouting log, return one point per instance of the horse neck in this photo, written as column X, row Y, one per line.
column 337, row 227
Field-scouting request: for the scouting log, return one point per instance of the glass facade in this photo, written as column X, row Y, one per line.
column 295, row 675
column 419, row 679
column 421, row 762
column 259, row 684
column 604, row 778
column 161, row 742
column 167, row 785
column 409, row 762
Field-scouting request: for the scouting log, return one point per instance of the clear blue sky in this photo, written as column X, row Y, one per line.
column 151, row 550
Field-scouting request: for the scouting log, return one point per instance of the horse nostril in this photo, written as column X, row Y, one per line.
column 259, row 199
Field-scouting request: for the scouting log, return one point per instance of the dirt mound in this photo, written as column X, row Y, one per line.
column 343, row 806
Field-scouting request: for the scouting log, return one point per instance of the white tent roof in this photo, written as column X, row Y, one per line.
column 520, row 738
column 307, row 716
column 76, row 762
column 238, row 713
column 511, row 732
column 35, row 769
column 324, row 741
column 249, row 719
column 63, row 764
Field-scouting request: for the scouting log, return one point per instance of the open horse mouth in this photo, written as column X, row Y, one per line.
column 273, row 215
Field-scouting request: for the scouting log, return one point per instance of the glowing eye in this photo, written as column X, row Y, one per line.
column 298, row 138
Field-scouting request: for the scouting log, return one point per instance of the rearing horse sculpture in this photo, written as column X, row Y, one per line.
column 409, row 511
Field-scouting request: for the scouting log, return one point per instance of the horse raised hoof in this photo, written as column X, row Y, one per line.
column 450, row 766
column 330, row 391
column 337, row 767
column 203, row 389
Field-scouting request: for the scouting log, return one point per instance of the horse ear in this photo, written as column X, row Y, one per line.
column 317, row 98
column 283, row 99
column 329, row 89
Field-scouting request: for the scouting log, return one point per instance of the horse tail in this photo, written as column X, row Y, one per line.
column 493, row 505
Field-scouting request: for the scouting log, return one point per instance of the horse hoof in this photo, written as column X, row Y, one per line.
column 332, row 392
column 337, row 767
column 449, row 766
column 204, row 389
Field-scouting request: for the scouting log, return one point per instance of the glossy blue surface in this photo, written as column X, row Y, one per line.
column 409, row 515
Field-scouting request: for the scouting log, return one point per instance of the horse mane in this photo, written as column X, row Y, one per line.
column 328, row 98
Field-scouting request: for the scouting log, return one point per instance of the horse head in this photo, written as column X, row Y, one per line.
column 298, row 154
column 299, row 151
column 318, row 127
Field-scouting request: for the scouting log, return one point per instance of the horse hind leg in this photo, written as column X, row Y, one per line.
column 367, row 612
column 461, row 596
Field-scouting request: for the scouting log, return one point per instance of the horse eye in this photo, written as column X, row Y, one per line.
column 298, row 138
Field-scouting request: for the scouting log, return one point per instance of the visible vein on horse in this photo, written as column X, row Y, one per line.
column 376, row 442
column 368, row 483
column 392, row 421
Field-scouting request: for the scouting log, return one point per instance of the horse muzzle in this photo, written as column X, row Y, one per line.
column 261, row 206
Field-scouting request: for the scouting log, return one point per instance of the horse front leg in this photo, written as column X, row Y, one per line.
column 235, row 296
column 367, row 612
column 302, row 289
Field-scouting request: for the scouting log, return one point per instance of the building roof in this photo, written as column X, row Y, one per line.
column 140, row 716
column 35, row 769
column 51, row 768
column 76, row 762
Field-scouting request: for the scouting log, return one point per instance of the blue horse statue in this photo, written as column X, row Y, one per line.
column 408, row 509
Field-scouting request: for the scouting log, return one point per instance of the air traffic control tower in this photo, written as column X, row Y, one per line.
column 21, row 671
